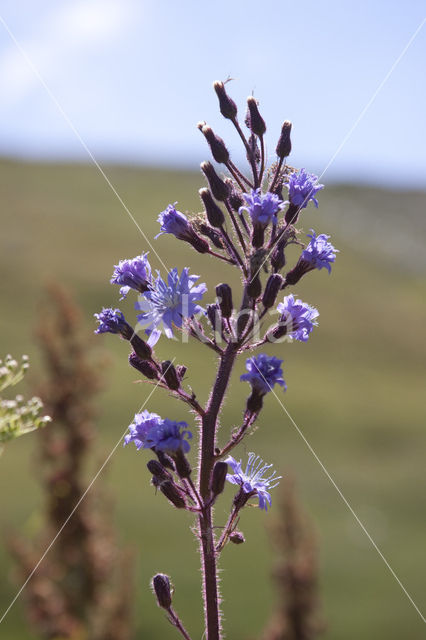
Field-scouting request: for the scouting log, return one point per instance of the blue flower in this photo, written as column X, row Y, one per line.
column 263, row 373
column 298, row 317
column 169, row 436
column 302, row 187
column 253, row 480
column 132, row 274
column 140, row 427
column 319, row 253
column 167, row 304
column 262, row 207
column 176, row 223
column 112, row 321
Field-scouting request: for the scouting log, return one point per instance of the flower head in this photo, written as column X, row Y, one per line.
column 174, row 222
column 319, row 253
column 302, row 187
column 168, row 303
column 169, row 436
column 132, row 274
column 142, row 424
column 261, row 207
column 253, row 480
column 111, row 321
column 263, row 373
column 298, row 317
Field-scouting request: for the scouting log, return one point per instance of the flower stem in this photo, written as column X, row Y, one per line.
column 207, row 459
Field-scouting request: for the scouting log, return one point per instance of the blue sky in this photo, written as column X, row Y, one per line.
column 135, row 77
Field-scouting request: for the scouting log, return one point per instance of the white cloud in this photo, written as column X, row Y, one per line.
column 67, row 30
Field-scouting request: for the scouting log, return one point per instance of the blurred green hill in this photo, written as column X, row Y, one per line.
column 356, row 390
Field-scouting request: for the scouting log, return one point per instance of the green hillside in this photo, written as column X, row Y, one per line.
column 356, row 391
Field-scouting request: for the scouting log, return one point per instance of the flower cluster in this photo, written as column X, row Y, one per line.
column 247, row 225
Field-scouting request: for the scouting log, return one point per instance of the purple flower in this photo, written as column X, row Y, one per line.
column 168, row 303
column 319, row 253
column 253, row 480
column 169, row 436
column 262, row 207
column 132, row 274
column 176, row 223
column 298, row 317
column 140, row 427
column 263, row 373
column 302, row 187
column 111, row 321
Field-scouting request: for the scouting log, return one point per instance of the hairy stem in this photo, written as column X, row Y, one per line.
column 207, row 451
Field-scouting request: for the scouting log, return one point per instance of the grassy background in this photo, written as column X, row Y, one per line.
column 356, row 390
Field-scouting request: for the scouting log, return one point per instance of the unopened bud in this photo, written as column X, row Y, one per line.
column 227, row 106
column 183, row 467
column 181, row 370
column 254, row 149
column 163, row 590
column 213, row 212
column 219, row 189
column 217, row 146
column 146, row 367
column 220, row 470
column 224, row 293
column 169, row 374
column 199, row 243
column 165, row 460
column 237, row 537
column 254, row 120
column 272, row 288
column 140, row 347
column 158, row 471
column 211, row 234
column 254, row 287
column 236, row 199
column 283, row 149
column 172, row 493
column 278, row 256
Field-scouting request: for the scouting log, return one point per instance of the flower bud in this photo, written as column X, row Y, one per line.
column 213, row 212
column 217, row 146
column 283, row 149
column 278, row 256
column 146, row 367
column 199, row 243
column 254, row 120
column 237, row 537
column 254, row 149
column 169, row 374
column 172, row 493
column 212, row 312
column 140, row 347
column 211, row 234
column 258, row 236
column 220, row 470
column 236, row 199
column 227, row 106
column 219, row 189
column 183, row 467
column 272, row 288
column 181, row 370
column 163, row 590
column 254, row 287
column 224, row 293
column 158, row 471
column 165, row 460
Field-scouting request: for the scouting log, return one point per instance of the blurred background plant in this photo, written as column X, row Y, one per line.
column 17, row 416
column 83, row 587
